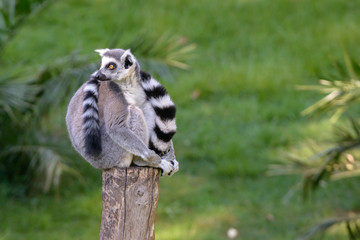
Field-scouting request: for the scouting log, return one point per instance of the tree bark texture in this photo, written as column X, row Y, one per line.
column 130, row 197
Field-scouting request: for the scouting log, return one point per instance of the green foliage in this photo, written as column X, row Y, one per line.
column 16, row 95
column 350, row 222
column 237, row 108
column 340, row 94
column 33, row 156
column 336, row 162
column 158, row 54
column 13, row 13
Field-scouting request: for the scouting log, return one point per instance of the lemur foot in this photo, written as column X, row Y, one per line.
column 168, row 167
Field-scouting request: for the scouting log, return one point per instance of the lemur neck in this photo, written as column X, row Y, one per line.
column 132, row 89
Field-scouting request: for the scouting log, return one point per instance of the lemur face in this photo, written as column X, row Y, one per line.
column 116, row 64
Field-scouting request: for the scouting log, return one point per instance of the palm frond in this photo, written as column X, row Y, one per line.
column 333, row 163
column 48, row 157
column 37, row 151
column 351, row 222
column 329, row 162
column 58, row 84
column 16, row 95
column 350, row 65
column 159, row 54
column 14, row 13
column 340, row 95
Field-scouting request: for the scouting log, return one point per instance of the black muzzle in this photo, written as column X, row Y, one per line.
column 100, row 76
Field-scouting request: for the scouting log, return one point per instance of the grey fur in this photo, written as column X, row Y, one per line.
column 114, row 53
column 124, row 130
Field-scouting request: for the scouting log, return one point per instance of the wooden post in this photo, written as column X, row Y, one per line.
column 130, row 198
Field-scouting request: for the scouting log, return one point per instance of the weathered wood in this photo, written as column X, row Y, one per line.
column 130, row 198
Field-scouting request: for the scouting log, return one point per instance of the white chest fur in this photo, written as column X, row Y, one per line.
column 134, row 94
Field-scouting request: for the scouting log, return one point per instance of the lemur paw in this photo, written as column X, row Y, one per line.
column 175, row 166
column 168, row 167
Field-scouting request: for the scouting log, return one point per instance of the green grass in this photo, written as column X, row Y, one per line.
column 250, row 56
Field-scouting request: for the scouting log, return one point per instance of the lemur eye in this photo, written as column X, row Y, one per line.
column 111, row 66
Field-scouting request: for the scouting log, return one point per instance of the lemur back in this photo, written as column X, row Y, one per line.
column 115, row 117
column 88, row 128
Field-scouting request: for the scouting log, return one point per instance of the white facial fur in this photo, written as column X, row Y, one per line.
column 120, row 72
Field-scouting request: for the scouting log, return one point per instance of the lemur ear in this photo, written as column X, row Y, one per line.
column 128, row 59
column 101, row 51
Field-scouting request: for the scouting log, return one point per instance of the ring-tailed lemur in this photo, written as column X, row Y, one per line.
column 121, row 115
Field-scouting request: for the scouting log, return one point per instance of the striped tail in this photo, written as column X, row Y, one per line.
column 91, row 125
column 164, row 109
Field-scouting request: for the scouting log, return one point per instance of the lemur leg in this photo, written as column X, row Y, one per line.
column 169, row 157
column 138, row 125
column 168, row 169
column 131, row 142
column 168, row 164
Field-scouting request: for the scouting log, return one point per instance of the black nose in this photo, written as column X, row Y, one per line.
column 100, row 76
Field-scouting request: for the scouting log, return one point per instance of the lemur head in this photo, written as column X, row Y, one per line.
column 116, row 64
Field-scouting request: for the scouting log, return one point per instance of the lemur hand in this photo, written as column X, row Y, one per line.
column 168, row 167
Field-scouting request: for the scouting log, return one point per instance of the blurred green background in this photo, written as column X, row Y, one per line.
column 238, row 111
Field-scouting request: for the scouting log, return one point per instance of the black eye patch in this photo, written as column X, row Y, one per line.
column 111, row 66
